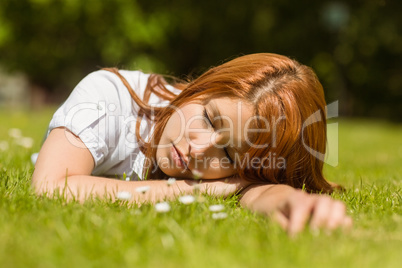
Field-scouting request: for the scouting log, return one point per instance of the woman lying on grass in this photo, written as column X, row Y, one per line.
column 253, row 126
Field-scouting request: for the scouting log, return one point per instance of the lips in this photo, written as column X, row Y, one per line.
column 177, row 158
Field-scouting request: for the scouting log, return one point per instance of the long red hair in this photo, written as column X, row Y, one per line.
column 285, row 95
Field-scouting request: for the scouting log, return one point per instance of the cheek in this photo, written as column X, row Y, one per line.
column 215, row 164
column 173, row 126
column 179, row 119
column 176, row 125
column 216, row 169
column 169, row 133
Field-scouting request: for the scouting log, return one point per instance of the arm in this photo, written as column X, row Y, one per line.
column 294, row 209
column 65, row 165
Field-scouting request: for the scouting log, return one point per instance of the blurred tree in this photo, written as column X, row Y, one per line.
column 57, row 42
column 354, row 46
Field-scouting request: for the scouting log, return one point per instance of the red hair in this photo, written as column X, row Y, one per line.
column 285, row 95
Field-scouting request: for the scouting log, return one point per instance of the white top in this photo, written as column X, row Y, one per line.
column 101, row 112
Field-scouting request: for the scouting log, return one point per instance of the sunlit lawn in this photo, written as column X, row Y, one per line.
column 40, row 232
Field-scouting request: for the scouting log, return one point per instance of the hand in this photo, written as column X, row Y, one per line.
column 318, row 211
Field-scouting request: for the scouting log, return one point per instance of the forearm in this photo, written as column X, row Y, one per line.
column 265, row 198
column 81, row 187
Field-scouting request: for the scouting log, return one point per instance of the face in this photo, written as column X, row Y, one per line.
column 204, row 140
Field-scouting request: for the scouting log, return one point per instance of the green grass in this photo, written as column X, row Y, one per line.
column 41, row 232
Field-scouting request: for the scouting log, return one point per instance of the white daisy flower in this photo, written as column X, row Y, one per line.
column 162, row 207
column 197, row 174
column 25, row 142
column 196, row 187
column 219, row 215
column 124, row 196
column 4, row 146
column 171, row 181
column 137, row 212
column 34, row 158
column 142, row 189
column 15, row 133
column 216, row 208
column 186, row 199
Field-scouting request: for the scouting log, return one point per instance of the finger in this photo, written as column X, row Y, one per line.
column 300, row 211
column 321, row 212
column 337, row 216
column 281, row 219
column 347, row 223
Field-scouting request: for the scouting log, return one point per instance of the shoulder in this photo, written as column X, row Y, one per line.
column 109, row 86
column 103, row 79
column 106, row 86
column 105, row 75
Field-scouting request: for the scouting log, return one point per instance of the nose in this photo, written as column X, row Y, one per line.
column 203, row 143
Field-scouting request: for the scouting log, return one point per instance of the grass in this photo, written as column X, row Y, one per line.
column 42, row 232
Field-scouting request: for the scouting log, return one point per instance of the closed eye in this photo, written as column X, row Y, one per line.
column 208, row 119
column 228, row 156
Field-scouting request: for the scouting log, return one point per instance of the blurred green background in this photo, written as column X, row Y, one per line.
column 48, row 46
column 355, row 47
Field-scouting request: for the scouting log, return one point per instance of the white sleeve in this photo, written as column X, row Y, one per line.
column 88, row 109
